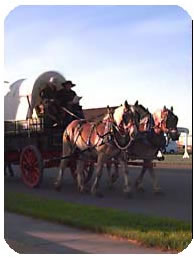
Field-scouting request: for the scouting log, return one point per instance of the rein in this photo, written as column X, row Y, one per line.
column 70, row 113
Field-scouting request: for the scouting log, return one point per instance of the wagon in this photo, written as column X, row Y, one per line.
column 30, row 141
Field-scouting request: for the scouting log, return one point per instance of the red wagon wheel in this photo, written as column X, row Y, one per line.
column 87, row 172
column 31, row 165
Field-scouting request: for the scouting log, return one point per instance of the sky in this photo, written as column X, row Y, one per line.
column 112, row 53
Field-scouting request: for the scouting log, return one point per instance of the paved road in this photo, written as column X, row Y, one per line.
column 32, row 236
column 176, row 202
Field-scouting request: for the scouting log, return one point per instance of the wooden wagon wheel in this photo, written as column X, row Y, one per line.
column 31, row 165
column 87, row 173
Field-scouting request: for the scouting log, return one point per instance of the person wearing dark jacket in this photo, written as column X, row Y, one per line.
column 67, row 98
column 49, row 101
column 66, row 95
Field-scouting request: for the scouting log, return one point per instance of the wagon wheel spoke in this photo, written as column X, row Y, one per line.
column 31, row 166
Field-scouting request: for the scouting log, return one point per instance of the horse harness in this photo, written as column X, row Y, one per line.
column 108, row 136
column 147, row 123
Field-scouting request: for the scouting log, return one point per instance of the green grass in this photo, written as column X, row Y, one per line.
column 168, row 234
column 177, row 159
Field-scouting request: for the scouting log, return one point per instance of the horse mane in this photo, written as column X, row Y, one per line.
column 118, row 114
column 142, row 107
column 157, row 116
column 143, row 112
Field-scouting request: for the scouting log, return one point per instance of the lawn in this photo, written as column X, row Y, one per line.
column 168, row 234
column 176, row 159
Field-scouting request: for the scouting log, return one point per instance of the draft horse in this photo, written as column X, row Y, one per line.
column 161, row 128
column 99, row 142
column 149, row 141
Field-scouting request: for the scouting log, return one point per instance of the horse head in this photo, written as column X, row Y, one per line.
column 167, row 121
column 144, row 117
column 171, row 125
column 126, row 120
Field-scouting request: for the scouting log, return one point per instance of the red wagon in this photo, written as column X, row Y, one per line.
column 34, row 147
column 30, row 140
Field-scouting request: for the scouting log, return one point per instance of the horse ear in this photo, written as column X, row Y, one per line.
column 126, row 104
column 164, row 108
column 171, row 109
column 136, row 103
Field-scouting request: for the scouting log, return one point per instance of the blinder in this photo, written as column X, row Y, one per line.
column 171, row 125
column 131, row 116
column 171, row 121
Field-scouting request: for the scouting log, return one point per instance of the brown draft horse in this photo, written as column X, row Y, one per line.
column 165, row 122
column 149, row 140
column 99, row 142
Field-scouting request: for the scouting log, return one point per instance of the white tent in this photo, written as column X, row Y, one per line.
column 23, row 95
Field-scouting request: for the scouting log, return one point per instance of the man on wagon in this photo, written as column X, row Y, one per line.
column 68, row 99
column 49, row 101
column 54, row 100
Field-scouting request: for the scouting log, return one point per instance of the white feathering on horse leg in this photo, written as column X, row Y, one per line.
column 159, row 154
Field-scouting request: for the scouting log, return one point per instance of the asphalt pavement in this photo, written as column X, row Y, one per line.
column 174, row 202
column 30, row 236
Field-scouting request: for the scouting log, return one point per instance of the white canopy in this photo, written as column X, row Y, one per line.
column 24, row 95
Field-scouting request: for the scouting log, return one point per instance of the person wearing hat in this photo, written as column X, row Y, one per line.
column 67, row 98
column 49, row 102
column 49, row 92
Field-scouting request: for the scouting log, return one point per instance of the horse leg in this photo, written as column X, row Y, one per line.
column 59, row 179
column 127, row 186
column 95, row 185
column 11, row 173
column 62, row 166
column 139, row 180
column 10, row 170
column 156, row 187
column 80, row 178
column 160, row 156
column 112, row 176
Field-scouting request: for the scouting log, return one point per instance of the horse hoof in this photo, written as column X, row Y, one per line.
column 99, row 194
column 110, row 186
column 128, row 195
column 80, row 189
column 86, row 189
column 160, row 158
column 83, row 190
column 57, row 187
column 158, row 192
column 114, row 179
column 140, row 189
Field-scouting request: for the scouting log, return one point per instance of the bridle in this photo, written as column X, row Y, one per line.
column 161, row 126
column 121, row 131
column 164, row 125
